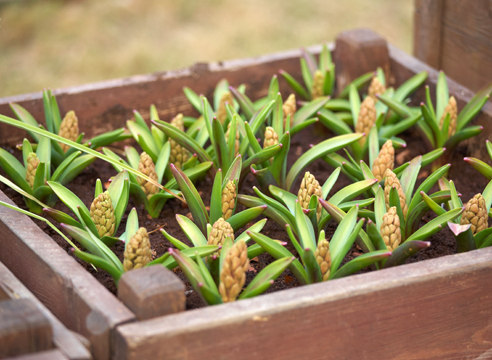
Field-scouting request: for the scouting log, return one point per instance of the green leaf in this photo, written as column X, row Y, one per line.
column 351, row 191
column 183, row 139
column 162, row 161
column 279, row 166
column 170, row 263
column 192, row 231
column 216, row 198
column 312, row 267
column 374, row 233
column 330, row 145
column 404, row 251
column 306, row 111
column 358, row 82
column 277, row 251
column 220, row 145
column 177, row 243
column 193, row 98
column 99, row 263
column 355, row 102
column 339, row 245
column 473, row 107
column 333, row 122
column 143, row 136
column 298, row 88
column 24, row 116
column 237, row 221
column 409, row 86
column 328, row 185
column 409, row 177
column 265, row 278
column 76, row 167
column 193, row 199
column 434, row 225
column 359, row 263
column 442, row 94
column 397, row 107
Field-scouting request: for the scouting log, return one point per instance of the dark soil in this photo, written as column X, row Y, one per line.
column 467, row 181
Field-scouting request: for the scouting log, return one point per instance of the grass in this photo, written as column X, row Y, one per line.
column 53, row 44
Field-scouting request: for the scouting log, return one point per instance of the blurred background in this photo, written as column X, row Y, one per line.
column 53, row 44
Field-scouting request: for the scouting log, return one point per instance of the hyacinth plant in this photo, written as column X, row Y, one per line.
column 233, row 265
column 222, row 202
column 66, row 128
column 481, row 166
column 282, row 206
column 54, row 137
column 443, row 125
column 147, row 193
column 103, row 216
column 371, row 114
column 320, row 259
column 36, row 169
column 470, row 228
column 380, row 159
column 398, row 211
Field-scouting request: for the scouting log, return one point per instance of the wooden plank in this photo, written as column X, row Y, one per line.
column 427, row 25
column 43, row 355
column 64, row 340
column 436, row 309
column 152, row 292
column 466, row 60
column 62, row 285
column 358, row 52
column 23, row 328
column 107, row 105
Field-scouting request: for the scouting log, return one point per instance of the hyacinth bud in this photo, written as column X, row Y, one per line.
column 102, row 214
column 323, row 258
column 367, row 117
column 32, row 165
column 385, row 160
column 137, row 252
column 236, row 152
column 390, row 229
column 475, row 214
column 222, row 110
column 179, row 155
column 271, row 137
column 233, row 273
column 221, row 229
column 69, row 129
column 451, row 109
column 228, row 199
column 392, row 181
column 318, row 81
column 309, row 187
column 376, row 88
column 289, row 107
column 147, row 167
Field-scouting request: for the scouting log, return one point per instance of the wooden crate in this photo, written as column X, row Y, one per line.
column 436, row 309
column 28, row 328
column 456, row 36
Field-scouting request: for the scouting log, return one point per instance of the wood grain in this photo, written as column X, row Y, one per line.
column 427, row 28
column 43, row 355
column 152, row 292
column 436, row 309
column 62, row 285
column 23, row 328
column 358, row 52
column 63, row 339
column 455, row 36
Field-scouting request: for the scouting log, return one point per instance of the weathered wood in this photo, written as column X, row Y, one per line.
column 431, row 310
column 152, row 292
column 23, row 328
column 107, row 105
column 67, row 290
column 455, row 36
column 358, row 52
column 427, row 19
column 63, row 339
column 43, row 355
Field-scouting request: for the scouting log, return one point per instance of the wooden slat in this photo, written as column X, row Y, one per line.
column 358, row 52
column 151, row 292
column 63, row 339
column 43, row 355
column 107, row 105
column 23, row 328
column 427, row 25
column 436, row 309
column 67, row 290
